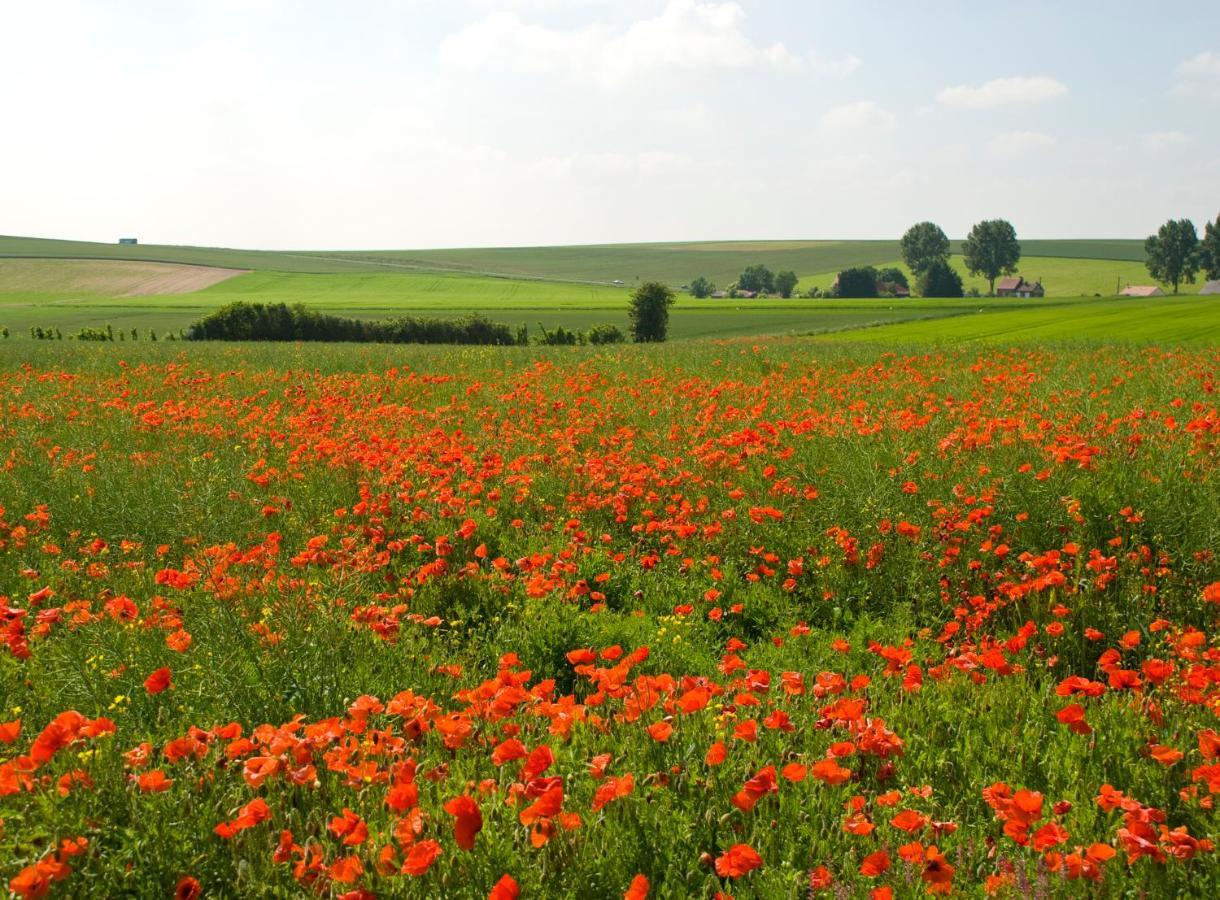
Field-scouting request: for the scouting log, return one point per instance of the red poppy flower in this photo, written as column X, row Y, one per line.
column 738, row 860
column 504, row 889
column 638, row 890
column 875, row 864
column 420, row 858
column 157, row 681
column 468, row 820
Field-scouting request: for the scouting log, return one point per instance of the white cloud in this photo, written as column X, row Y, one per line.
column 1003, row 92
column 1016, row 144
column 1164, row 140
column 687, row 35
column 837, row 69
column 863, row 118
column 1199, row 76
column 611, row 165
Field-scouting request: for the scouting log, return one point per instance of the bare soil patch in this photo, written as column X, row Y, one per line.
column 117, row 278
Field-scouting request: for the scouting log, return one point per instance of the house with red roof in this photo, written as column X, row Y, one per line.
column 1018, row 287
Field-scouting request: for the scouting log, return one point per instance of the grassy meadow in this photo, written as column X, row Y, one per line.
column 70, row 294
column 761, row 618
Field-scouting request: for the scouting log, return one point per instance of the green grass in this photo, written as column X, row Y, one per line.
column 675, row 263
column 1061, row 276
column 1170, row 320
column 380, row 293
column 739, row 510
column 377, row 295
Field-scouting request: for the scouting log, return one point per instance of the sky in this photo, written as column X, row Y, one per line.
column 292, row 124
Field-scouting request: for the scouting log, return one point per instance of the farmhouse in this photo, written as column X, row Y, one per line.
column 719, row 295
column 1141, row 290
column 1212, row 287
column 128, row 241
column 1019, row 287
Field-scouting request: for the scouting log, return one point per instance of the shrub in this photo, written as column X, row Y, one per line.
column 649, row 312
column 560, row 337
column 860, row 281
column 940, row 280
column 606, row 334
column 242, row 321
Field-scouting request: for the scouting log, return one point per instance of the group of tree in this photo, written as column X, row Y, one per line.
column 870, row 281
column 925, row 250
column 756, row 279
column 990, row 250
column 242, row 321
column 1175, row 255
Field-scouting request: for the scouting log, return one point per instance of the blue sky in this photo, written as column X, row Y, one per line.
column 426, row 123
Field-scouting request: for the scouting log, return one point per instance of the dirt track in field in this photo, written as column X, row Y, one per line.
column 117, row 278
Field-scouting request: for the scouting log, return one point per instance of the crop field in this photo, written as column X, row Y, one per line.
column 757, row 618
column 675, row 263
column 70, row 294
column 1166, row 320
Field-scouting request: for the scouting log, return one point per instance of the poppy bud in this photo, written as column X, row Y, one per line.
column 705, row 860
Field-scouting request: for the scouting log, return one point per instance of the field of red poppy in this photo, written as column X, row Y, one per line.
column 748, row 619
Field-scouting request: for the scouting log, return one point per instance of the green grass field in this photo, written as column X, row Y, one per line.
column 566, row 286
column 1169, row 320
column 770, row 618
column 676, row 263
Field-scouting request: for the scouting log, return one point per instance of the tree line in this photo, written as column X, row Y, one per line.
column 1176, row 255
column 990, row 250
column 245, row 321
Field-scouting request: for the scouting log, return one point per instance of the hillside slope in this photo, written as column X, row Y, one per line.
column 675, row 263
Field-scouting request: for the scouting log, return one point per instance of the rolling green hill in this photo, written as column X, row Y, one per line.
column 69, row 285
column 675, row 263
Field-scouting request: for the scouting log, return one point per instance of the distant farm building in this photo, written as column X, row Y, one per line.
column 747, row 295
column 1212, row 287
column 1019, row 287
column 128, row 241
column 1141, row 290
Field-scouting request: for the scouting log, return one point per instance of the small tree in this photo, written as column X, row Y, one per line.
column 649, row 312
column 1209, row 250
column 860, row 281
column 940, row 280
column 1173, row 253
column 701, row 288
column 759, row 279
column 890, row 279
column 992, row 250
column 785, row 283
column 923, row 245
